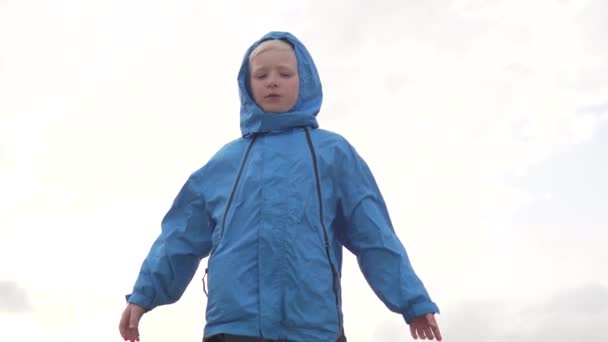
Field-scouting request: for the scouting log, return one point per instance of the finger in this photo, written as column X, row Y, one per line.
column 437, row 333
column 428, row 332
column 413, row 332
column 133, row 334
column 421, row 333
column 128, row 334
column 434, row 327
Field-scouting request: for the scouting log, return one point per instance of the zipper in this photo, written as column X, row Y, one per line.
column 320, row 197
column 236, row 183
column 228, row 205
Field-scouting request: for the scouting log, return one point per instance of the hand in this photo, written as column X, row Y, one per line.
column 129, row 322
column 425, row 327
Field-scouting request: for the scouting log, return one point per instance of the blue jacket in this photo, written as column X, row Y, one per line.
column 272, row 211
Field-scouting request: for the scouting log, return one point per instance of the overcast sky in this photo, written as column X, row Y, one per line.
column 485, row 123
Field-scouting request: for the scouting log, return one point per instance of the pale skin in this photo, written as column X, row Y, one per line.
column 273, row 77
column 425, row 327
column 274, row 83
column 129, row 322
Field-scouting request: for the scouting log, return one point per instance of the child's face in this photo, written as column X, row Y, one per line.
column 274, row 79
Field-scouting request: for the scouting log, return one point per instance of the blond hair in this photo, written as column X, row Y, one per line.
column 272, row 44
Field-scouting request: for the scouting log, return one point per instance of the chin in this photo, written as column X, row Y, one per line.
column 276, row 110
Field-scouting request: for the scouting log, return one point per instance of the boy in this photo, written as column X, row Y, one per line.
column 272, row 211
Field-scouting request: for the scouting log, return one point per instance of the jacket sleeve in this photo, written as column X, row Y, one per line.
column 176, row 253
column 368, row 233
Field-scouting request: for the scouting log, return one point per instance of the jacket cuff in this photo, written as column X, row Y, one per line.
column 141, row 300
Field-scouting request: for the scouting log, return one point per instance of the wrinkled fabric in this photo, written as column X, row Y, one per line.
column 269, row 269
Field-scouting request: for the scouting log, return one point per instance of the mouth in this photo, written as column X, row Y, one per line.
column 272, row 96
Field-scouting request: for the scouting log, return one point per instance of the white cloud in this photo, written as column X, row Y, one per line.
column 105, row 107
column 574, row 314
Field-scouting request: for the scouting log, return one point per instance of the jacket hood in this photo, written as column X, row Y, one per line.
column 255, row 120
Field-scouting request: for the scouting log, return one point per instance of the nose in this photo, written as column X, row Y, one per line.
column 272, row 82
